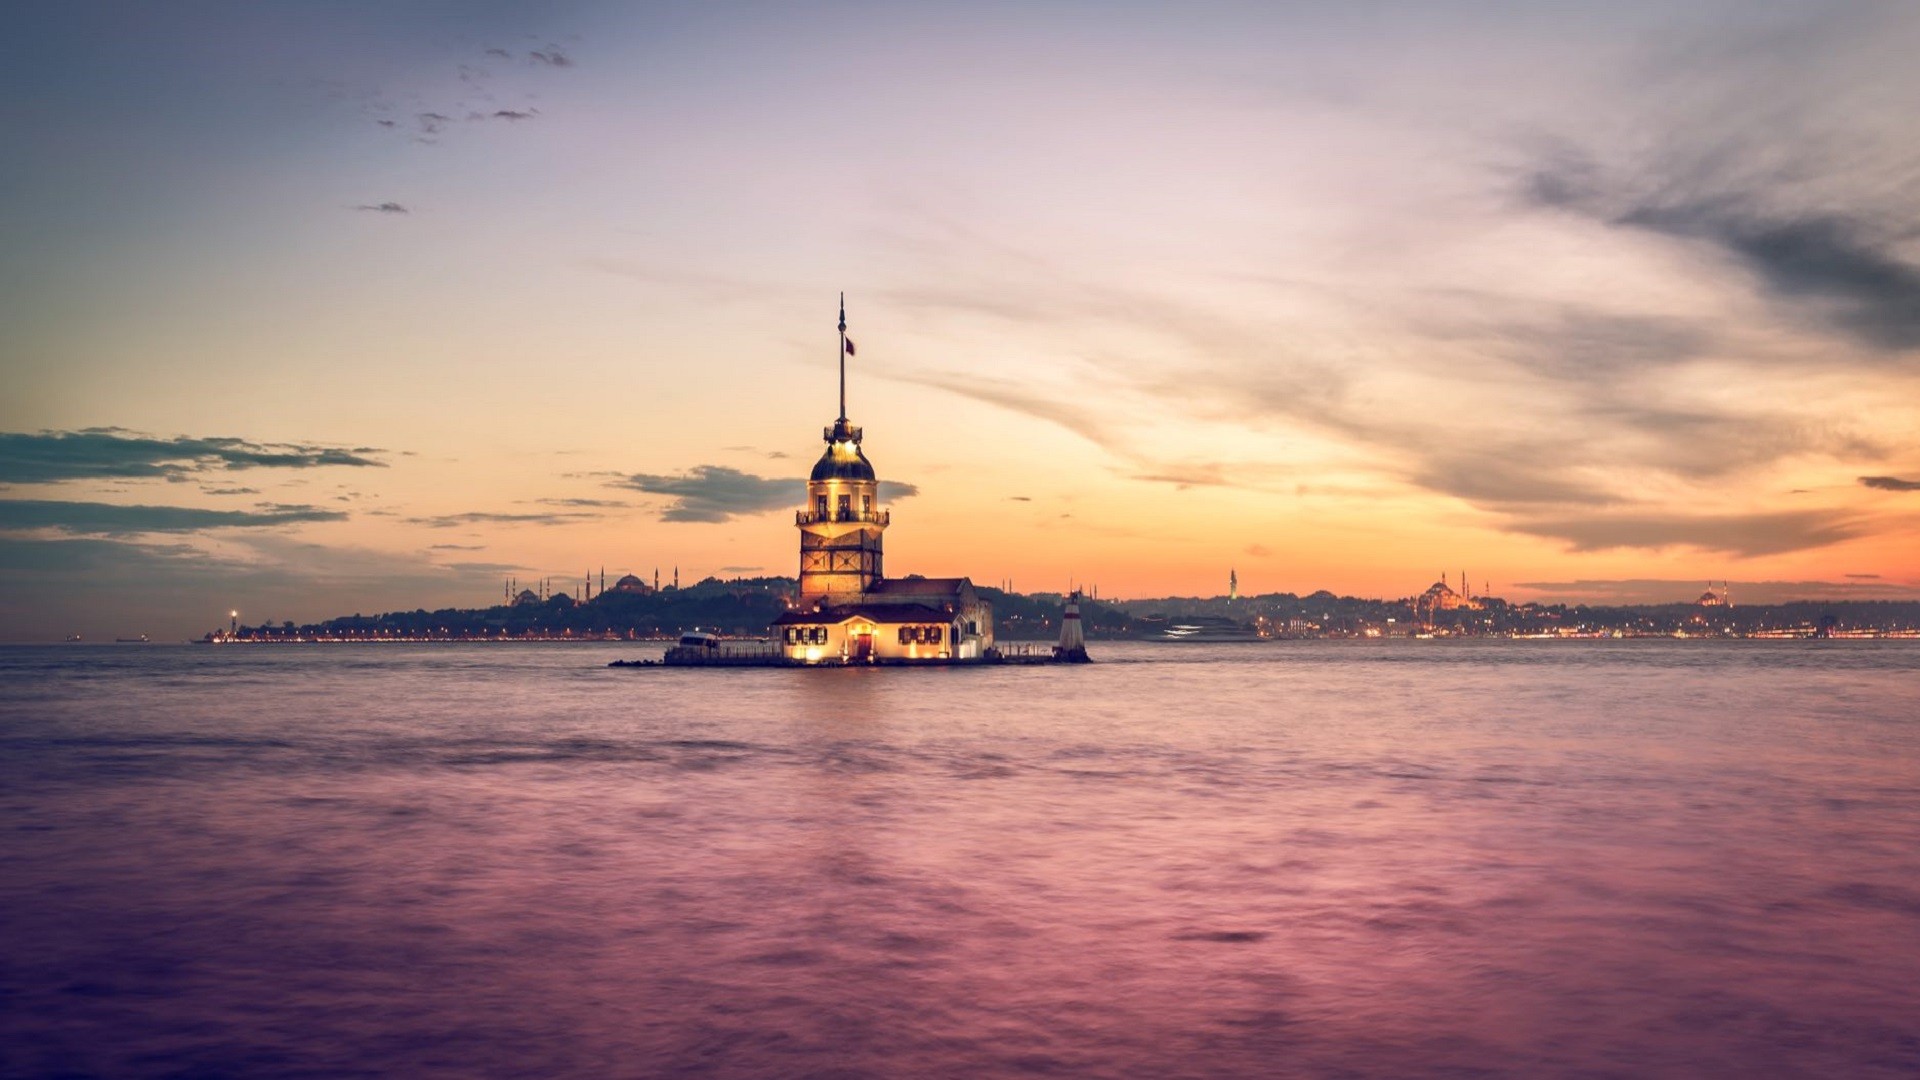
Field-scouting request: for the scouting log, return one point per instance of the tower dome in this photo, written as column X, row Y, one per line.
column 843, row 459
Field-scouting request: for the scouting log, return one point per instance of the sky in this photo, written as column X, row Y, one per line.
column 308, row 310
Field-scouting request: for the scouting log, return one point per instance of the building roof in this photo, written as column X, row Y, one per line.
column 890, row 614
column 920, row 586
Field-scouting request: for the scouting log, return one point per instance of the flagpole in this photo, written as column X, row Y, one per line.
column 843, row 356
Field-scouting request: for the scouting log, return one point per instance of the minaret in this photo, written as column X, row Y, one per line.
column 1233, row 584
column 840, row 528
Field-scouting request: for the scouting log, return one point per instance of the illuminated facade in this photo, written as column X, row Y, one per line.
column 840, row 530
column 848, row 610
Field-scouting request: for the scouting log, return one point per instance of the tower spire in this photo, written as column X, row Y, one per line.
column 843, row 358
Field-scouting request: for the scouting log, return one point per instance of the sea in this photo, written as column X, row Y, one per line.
column 1313, row 859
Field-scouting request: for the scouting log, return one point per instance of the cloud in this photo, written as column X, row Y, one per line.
column 1766, row 200
column 1258, row 551
column 511, row 114
column 1873, row 294
column 483, row 567
column 501, row 54
column 457, row 547
column 1083, row 422
column 550, row 56
column 1588, row 428
column 384, row 208
column 593, row 503
column 1737, row 534
column 1890, row 483
column 740, row 569
column 1203, row 474
column 1863, row 577
column 713, row 493
column 479, row 517
column 100, row 453
column 230, row 491
column 110, row 519
column 1019, row 498
column 889, row 490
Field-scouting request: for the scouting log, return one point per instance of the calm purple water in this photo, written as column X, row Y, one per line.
column 1318, row 859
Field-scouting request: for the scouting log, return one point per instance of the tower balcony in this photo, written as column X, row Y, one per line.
column 855, row 517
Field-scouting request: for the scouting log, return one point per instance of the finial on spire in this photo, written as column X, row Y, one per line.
column 843, row 357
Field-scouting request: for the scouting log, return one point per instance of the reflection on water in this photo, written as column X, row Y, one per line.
column 1509, row 858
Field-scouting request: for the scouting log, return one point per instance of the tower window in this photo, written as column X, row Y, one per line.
column 820, row 506
column 866, row 504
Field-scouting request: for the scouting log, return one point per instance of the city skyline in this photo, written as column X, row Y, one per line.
column 320, row 311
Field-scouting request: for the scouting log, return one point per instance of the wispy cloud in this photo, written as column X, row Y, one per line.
column 1683, row 591
column 99, row 453
column 111, row 519
column 601, row 504
column 1845, row 266
column 1082, row 421
column 383, row 208
column 1736, row 534
column 482, row 517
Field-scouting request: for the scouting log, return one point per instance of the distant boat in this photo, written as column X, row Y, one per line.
column 131, row 640
column 73, row 637
column 1208, row 628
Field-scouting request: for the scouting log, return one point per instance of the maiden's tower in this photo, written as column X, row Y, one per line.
column 848, row 610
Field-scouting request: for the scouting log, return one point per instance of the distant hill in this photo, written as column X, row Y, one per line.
column 746, row 606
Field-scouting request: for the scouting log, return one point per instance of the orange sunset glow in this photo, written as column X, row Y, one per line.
column 355, row 316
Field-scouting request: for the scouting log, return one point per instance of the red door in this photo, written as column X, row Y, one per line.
column 862, row 648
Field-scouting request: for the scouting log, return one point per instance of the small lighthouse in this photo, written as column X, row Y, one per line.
column 1073, row 642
